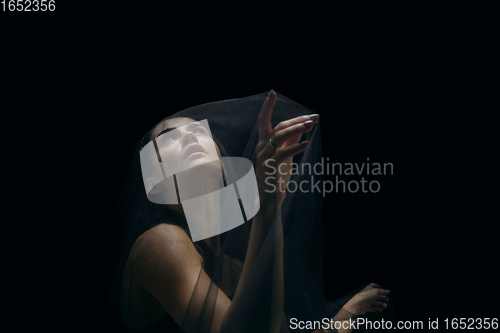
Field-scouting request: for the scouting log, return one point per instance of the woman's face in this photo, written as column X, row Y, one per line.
column 184, row 143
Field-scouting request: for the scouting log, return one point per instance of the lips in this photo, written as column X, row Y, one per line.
column 193, row 149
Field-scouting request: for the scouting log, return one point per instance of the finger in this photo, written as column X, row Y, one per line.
column 290, row 151
column 378, row 304
column 378, row 309
column 287, row 123
column 262, row 116
column 383, row 294
column 266, row 112
column 286, row 134
column 292, row 141
column 374, row 309
column 280, row 155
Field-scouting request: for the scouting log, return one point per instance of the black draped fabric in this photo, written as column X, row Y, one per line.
column 286, row 280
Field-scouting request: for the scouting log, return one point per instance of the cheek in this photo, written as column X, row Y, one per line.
column 211, row 147
column 219, row 156
column 170, row 155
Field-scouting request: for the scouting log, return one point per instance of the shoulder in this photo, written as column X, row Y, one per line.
column 164, row 251
column 163, row 231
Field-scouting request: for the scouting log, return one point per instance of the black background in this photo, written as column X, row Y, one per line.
column 91, row 84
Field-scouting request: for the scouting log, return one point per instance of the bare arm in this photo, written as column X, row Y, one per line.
column 169, row 268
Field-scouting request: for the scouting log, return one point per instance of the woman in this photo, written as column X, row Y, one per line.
column 254, row 277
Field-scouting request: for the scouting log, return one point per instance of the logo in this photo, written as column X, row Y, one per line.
column 183, row 166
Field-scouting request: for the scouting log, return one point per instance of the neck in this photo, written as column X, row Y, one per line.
column 213, row 242
column 207, row 212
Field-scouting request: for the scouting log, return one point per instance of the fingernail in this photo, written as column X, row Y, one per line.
column 314, row 116
column 305, row 142
column 308, row 122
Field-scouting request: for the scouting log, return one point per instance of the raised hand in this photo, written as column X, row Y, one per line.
column 276, row 149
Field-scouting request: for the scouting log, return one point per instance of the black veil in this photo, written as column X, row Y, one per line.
column 286, row 281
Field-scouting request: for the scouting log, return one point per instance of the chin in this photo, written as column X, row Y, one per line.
column 203, row 165
column 197, row 160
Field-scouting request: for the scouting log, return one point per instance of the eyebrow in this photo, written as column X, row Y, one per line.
column 168, row 129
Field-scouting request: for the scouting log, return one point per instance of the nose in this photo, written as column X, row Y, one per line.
column 189, row 138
